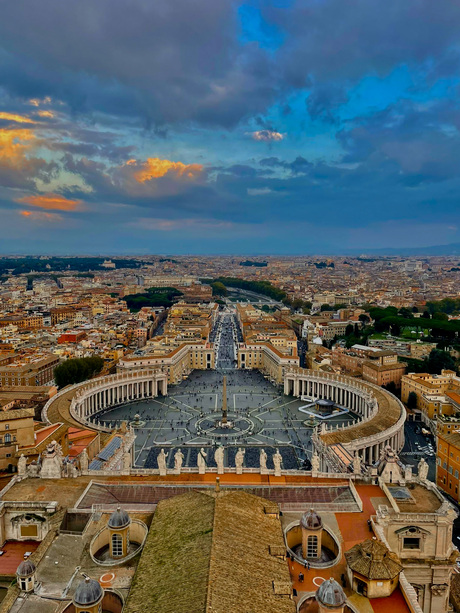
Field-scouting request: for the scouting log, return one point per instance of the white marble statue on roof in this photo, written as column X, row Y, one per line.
column 263, row 462
column 422, row 469
column 277, row 459
column 178, row 460
column 84, row 460
column 315, row 462
column 219, row 459
column 201, row 461
column 239, row 459
column 22, row 466
column 161, row 460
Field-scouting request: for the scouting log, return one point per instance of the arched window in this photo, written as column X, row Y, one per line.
column 312, row 546
column 117, row 546
column 7, row 438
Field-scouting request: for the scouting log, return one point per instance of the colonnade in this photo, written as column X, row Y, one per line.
column 360, row 398
column 356, row 400
column 95, row 396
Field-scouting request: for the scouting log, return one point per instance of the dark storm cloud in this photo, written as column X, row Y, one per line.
column 335, row 40
column 422, row 139
column 298, row 166
column 168, row 61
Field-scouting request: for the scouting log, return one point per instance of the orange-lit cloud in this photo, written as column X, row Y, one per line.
column 14, row 143
column 15, row 118
column 51, row 202
column 41, row 216
column 154, row 168
column 37, row 101
column 47, row 114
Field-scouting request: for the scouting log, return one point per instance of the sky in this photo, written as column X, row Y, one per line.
column 204, row 126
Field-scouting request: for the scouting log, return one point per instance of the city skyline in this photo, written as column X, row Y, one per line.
column 274, row 127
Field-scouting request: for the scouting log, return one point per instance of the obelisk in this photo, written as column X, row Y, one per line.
column 224, row 402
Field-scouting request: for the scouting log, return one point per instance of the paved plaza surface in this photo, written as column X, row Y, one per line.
column 187, row 418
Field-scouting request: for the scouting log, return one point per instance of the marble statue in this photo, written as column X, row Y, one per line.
column 33, row 469
column 72, row 471
column 422, row 470
column 201, row 461
column 127, row 460
column 22, row 466
column 178, row 459
column 219, row 459
column 263, row 462
column 356, row 464
column 315, row 463
column 408, row 473
column 277, row 459
column 161, row 460
column 84, row 460
column 239, row 459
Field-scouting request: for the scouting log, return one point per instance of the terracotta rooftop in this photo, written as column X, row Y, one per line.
column 372, row 559
column 206, row 543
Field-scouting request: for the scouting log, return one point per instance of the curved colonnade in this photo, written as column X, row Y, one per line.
column 381, row 424
column 91, row 397
column 382, row 414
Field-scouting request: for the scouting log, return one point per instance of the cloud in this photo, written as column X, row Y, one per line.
column 169, row 225
column 266, row 136
column 154, row 168
column 258, row 191
column 41, row 216
column 143, row 60
column 52, row 202
column 15, row 118
column 18, row 168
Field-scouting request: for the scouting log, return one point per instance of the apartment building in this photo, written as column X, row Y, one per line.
column 27, row 369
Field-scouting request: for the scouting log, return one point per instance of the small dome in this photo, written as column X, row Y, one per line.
column 26, row 568
column 311, row 520
column 119, row 519
column 88, row 592
column 330, row 594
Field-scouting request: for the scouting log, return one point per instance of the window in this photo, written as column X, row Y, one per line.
column 410, row 542
column 117, row 546
column 23, row 584
column 7, row 438
column 7, row 426
column 312, row 546
column 456, row 474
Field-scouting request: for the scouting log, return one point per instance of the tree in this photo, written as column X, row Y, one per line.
column 349, row 330
column 405, row 312
column 297, row 303
column 391, row 387
column 77, row 370
column 364, row 319
column 440, row 316
column 412, row 400
column 439, row 360
column 219, row 289
column 325, row 307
